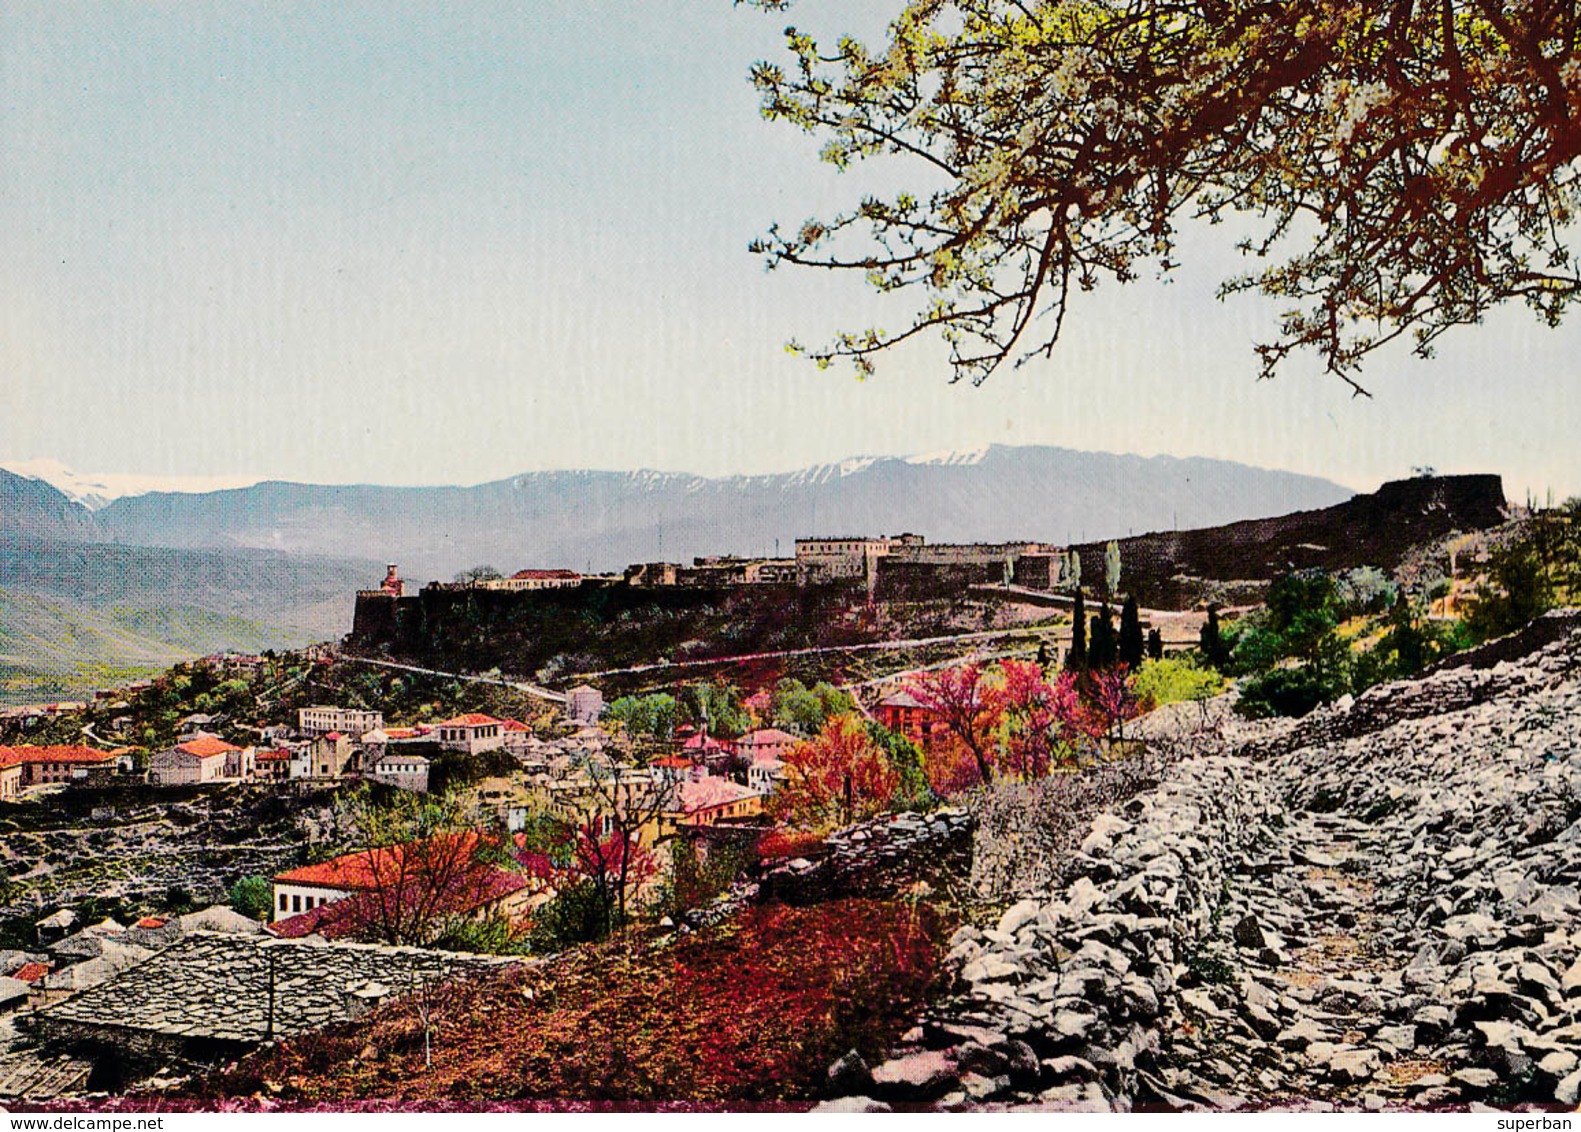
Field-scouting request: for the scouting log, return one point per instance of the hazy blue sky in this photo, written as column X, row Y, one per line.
column 425, row 242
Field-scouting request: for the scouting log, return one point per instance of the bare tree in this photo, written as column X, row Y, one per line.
column 616, row 814
column 425, row 866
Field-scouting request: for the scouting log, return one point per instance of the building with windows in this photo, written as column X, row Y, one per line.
column 845, row 557
column 25, row 766
column 328, row 756
column 401, row 770
column 410, row 871
column 710, row 800
column 200, row 760
column 10, row 775
column 905, row 715
column 472, row 733
column 353, row 721
column 533, row 580
column 272, row 765
column 764, row 774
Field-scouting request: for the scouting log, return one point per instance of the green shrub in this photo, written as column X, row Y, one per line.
column 1176, row 680
column 1284, row 691
column 253, row 897
column 578, row 913
column 490, row 936
column 1209, row 968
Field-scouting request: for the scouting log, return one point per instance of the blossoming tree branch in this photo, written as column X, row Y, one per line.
column 1401, row 168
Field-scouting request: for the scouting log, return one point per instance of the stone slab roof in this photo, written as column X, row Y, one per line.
column 217, row 985
column 219, row 918
column 26, row 1076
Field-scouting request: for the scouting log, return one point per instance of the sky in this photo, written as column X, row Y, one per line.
column 414, row 243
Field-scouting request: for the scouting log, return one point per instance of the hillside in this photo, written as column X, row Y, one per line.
column 1372, row 908
column 31, row 512
column 1177, row 568
column 62, row 650
column 551, row 635
column 1375, row 907
column 75, row 616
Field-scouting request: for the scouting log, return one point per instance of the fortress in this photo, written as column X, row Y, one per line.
column 1165, row 570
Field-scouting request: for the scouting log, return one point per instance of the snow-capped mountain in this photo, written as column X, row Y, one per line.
column 604, row 520
column 95, row 490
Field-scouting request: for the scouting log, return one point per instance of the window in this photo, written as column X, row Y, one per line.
column 296, row 903
column 282, row 902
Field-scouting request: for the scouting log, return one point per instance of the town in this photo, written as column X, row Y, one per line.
column 354, row 833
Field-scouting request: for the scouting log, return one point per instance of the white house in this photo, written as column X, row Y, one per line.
column 533, row 580
column 401, row 770
column 764, row 774
column 305, row 888
column 198, row 761
column 472, row 733
column 354, row 721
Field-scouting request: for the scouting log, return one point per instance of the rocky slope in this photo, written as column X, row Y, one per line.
column 1376, row 908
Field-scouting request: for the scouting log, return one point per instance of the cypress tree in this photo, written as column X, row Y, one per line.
column 1131, row 640
column 1076, row 659
column 1211, row 643
column 1102, row 648
column 1155, row 644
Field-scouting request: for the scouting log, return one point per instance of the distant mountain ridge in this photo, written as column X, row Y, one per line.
column 142, row 578
column 603, row 520
column 94, row 490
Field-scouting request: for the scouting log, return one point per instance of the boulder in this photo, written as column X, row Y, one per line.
column 923, row 1076
column 1568, row 1089
column 1249, row 933
column 1355, row 1064
column 1475, row 1078
column 850, row 1074
column 1018, row 915
column 852, row 1104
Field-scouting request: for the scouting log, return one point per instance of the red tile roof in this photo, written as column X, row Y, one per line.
column 516, row 725
column 545, row 574
column 710, row 793
column 705, row 743
column 207, row 748
column 768, row 737
column 274, row 756
column 471, row 719
column 354, row 915
column 149, row 922
column 31, row 972
column 82, row 755
column 334, row 735
column 672, row 761
column 367, row 868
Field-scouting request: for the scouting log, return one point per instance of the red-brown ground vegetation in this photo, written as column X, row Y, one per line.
column 750, row 1013
column 778, row 844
